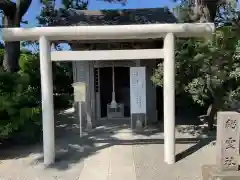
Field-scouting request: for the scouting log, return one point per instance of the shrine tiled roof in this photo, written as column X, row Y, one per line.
column 115, row 17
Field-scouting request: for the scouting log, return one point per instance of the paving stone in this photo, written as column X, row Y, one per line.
column 122, row 163
column 116, row 154
column 96, row 166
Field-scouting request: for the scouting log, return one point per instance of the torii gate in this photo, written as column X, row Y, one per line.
column 108, row 32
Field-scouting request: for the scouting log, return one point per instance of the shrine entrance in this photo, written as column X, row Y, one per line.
column 122, row 89
column 168, row 32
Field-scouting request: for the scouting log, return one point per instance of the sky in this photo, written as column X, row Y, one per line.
column 34, row 9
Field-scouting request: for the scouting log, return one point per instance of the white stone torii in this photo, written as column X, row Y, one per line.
column 108, row 32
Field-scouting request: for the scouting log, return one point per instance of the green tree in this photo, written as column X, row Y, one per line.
column 205, row 10
column 13, row 13
column 20, row 100
column 206, row 69
column 20, row 95
column 12, row 16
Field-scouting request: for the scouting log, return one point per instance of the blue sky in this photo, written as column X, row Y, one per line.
column 34, row 9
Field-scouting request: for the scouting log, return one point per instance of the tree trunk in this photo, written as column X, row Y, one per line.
column 211, row 113
column 13, row 14
column 12, row 49
column 204, row 10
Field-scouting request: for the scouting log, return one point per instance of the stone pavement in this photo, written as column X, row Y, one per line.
column 111, row 152
column 139, row 156
column 113, row 163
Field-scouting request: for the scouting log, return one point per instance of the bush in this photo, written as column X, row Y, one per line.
column 19, row 110
column 20, row 98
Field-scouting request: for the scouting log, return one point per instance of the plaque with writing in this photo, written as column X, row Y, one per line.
column 138, row 90
column 228, row 140
column 79, row 91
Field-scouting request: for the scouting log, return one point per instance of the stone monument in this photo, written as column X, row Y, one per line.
column 138, row 97
column 227, row 148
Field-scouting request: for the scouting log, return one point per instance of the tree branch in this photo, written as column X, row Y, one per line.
column 24, row 5
column 212, row 7
column 8, row 7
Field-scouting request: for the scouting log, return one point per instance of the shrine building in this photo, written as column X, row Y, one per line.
column 114, row 54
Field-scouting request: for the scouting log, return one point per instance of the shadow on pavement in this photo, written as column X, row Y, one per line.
column 71, row 149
